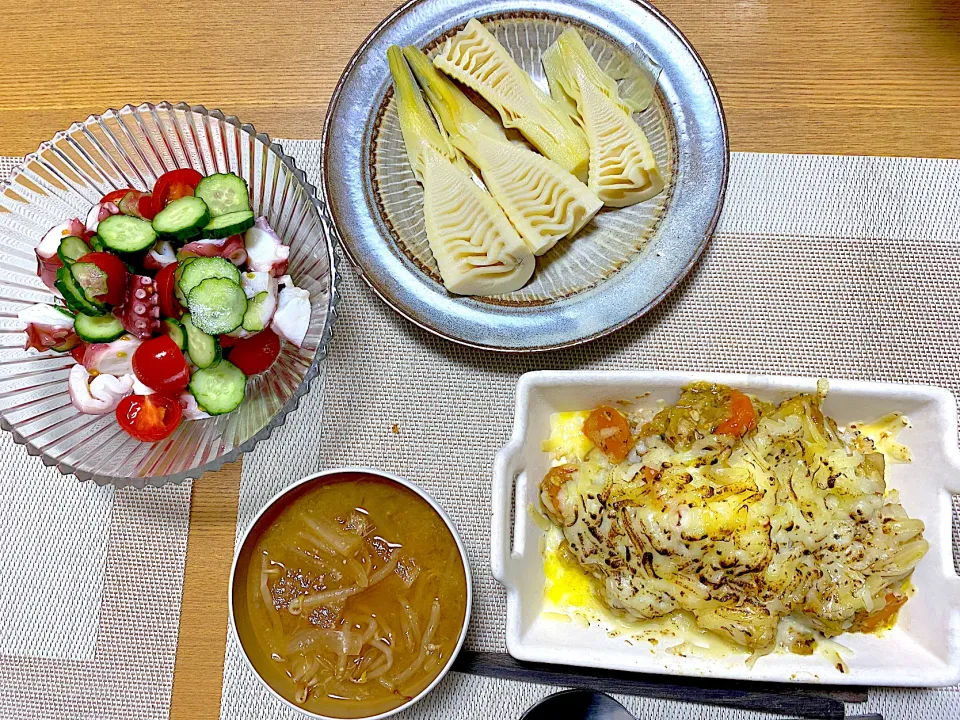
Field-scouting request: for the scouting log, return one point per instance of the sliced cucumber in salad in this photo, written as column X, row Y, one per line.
column 230, row 224
column 169, row 326
column 97, row 328
column 204, row 349
column 73, row 293
column 182, row 219
column 217, row 305
column 219, row 389
column 199, row 269
column 72, row 249
column 223, row 193
column 126, row 234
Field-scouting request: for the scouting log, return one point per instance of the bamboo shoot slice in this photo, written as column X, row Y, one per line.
column 478, row 252
column 542, row 200
column 623, row 169
column 567, row 54
column 556, row 80
column 416, row 123
column 475, row 57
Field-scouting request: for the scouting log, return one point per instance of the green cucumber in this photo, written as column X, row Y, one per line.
column 75, row 296
column 204, row 349
column 217, row 305
column 219, row 389
column 97, row 244
column 223, row 193
column 254, row 316
column 182, row 219
column 72, row 249
column 91, row 278
column 199, row 269
column 169, row 326
column 126, row 234
column 230, row 224
column 67, row 345
column 98, row 328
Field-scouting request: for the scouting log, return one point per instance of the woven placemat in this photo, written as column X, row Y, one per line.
column 822, row 266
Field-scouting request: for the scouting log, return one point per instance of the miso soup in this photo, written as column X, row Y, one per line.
column 350, row 595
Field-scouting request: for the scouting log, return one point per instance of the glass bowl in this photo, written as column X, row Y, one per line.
column 131, row 147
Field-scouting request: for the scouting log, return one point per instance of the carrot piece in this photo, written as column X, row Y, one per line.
column 742, row 416
column 608, row 429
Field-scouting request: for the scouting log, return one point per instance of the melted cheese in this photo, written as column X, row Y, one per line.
column 567, row 440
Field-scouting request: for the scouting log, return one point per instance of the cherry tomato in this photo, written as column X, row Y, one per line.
column 742, row 416
column 115, row 196
column 149, row 418
column 116, row 276
column 255, row 354
column 79, row 351
column 159, row 364
column 174, row 185
column 608, row 429
column 228, row 341
column 164, row 281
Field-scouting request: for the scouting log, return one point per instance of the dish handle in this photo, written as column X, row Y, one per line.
column 506, row 468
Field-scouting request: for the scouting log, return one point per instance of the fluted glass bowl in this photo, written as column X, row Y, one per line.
column 131, row 147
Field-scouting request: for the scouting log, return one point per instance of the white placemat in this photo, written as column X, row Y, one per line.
column 821, row 266
column 89, row 593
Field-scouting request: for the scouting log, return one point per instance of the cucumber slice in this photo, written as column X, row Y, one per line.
column 219, row 389
column 91, row 278
column 169, row 326
column 98, row 328
column 204, row 349
column 195, row 272
column 97, row 244
column 231, row 224
column 181, row 264
column 67, row 345
column 182, row 219
column 125, row 234
column 72, row 249
column 74, row 295
column 260, row 310
column 217, row 305
column 223, row 193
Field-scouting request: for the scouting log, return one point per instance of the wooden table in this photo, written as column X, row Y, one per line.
column 872, row 77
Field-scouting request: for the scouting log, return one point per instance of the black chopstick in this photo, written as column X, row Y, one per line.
column 823, row 703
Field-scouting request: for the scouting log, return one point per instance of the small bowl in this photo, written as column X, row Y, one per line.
column 131, row 147
column 268, row 514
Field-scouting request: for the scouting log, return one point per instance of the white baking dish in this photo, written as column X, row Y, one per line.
column 923, row 650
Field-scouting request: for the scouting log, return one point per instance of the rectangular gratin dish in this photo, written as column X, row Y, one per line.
column 922, row 650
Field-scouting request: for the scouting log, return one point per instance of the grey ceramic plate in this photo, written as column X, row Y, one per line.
column 621, row 265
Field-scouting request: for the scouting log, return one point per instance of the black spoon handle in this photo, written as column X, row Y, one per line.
column 806, row 702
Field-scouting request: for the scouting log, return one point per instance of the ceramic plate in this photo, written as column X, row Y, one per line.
column 612, row 272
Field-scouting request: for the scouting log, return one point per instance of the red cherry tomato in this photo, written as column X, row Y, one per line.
column 79, row 351
column 147, row 208
column 227, row 341
column 255, row 354
column 116, row 275
column 174, row 185
column 159, row 364
column 169, row 305
column 149, row 418
column 115, row 196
